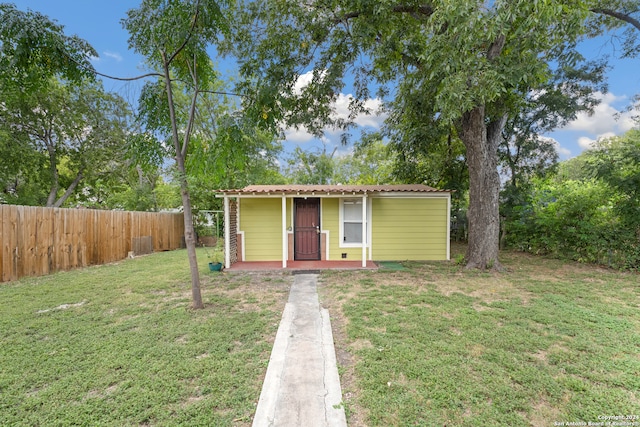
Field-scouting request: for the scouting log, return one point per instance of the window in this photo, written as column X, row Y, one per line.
column 352, row 221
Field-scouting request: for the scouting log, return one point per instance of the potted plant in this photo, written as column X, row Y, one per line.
column 214, row 259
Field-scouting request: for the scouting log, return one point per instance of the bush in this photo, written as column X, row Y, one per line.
column 575, row 219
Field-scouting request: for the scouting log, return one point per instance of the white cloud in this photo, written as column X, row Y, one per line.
column 373, row 119
column 302, row 82
column 605, row 118
column 113, row 55
column 587, row 143
column 299, row 136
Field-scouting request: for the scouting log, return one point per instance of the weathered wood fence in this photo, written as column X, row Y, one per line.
column 38, row 241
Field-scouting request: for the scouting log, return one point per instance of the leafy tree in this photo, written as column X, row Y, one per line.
column 524, row 153
column 77, row 127
column 129, row 187
column 305, row 167
column 590, row 210
column 228, row 149
column 616, row 161
column 467, row 62
column 33, row 48
column 432, row 156
column 174, row 37
column 370, row 163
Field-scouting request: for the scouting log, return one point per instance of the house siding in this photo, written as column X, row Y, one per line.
column 261, row 222
column 409, row 229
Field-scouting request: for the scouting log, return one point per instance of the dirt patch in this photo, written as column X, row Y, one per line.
column 62, row 307
column 542, row 411
column 253, row 291
column 100, row 394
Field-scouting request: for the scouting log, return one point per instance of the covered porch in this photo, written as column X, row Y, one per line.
column 315, row 227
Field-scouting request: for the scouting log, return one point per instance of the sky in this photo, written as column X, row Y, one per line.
column 98, row 22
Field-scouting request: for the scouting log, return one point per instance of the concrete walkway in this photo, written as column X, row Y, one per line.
column 302, row 387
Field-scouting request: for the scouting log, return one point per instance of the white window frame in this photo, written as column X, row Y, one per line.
column 358, row 200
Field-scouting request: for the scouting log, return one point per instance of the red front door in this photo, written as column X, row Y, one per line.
column 307, row 229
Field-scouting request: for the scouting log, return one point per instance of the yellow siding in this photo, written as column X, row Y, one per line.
column 409, row 229
column 261, row 221
column 330, row 221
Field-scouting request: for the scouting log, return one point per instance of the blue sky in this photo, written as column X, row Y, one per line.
column 98, row 22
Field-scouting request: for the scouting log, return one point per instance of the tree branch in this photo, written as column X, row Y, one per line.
column 130, row 79
column 422, row 9
column 618, row 15
column 496, row 47
column 192, row 109
column 125, row 79
column 70, row 190
column 186, row 40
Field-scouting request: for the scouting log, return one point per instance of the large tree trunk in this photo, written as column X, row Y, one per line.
column 481, row 142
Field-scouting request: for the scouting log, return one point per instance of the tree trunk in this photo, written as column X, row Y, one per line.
column 69, row 191
column 481, row 142
column 189, row 233
column 53, row 173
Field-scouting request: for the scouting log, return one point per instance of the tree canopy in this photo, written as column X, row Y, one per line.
column 454, row 63
column 34, row 48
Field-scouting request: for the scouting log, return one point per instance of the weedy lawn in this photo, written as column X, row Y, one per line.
column 119, row 345
column 544, row 342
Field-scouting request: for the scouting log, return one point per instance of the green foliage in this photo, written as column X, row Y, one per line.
column 133, row 194
column 67, row 134
column 453, row 64
column 371, row 162
column 616, row 161
column 305, row 167
column 436, row 54
column 35, row 48
column 589, row 212
column 524, row 153
column 570, row 219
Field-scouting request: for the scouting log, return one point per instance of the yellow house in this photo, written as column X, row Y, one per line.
column 336, row 223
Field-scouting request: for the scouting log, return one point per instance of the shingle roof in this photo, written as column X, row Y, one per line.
column 332, row 189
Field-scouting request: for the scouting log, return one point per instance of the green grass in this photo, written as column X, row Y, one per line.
column 119, row 345
column 545, row 342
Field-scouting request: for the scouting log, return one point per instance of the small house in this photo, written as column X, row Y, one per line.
column 362, row 223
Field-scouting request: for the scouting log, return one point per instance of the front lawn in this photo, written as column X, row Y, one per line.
column 545, row 342
column 119, row 345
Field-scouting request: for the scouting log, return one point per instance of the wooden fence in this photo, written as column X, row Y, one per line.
column 38, row 241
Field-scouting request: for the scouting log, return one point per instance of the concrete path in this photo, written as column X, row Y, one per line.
column 302, row 387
